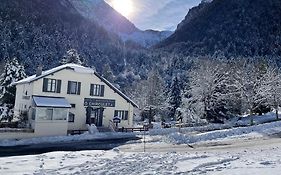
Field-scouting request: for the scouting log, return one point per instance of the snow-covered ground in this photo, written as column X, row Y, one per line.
column 258, row 157
column 186, row 136
column 195, row 150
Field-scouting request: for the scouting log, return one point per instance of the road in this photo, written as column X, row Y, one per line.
column 97, row 144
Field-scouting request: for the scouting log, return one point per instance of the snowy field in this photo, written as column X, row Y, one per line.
column 245, row 150
column 259, row 157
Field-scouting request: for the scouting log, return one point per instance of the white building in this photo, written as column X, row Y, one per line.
column 58, row 100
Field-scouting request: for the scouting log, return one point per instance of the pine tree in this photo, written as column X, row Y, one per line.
column 72, row 56
column 13, row 72
column 107, row 73
column 175, row 98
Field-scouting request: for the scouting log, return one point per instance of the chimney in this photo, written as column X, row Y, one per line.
column 39, row 70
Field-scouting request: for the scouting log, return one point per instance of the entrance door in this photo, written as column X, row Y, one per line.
column 97, row 116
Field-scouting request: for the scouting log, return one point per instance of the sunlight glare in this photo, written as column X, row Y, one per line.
column 125, row 7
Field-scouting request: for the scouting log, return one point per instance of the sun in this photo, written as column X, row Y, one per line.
column 125, row 7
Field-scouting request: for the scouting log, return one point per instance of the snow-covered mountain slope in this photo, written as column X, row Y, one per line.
column 146, row 38
column 41, row 32
column 231, row 27
column 103, row 14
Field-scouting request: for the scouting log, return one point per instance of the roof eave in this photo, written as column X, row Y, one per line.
column 116, row 90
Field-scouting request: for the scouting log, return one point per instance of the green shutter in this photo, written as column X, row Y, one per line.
column 126, row 115
column 102, row 91
column 58, row 86
column 68, row 87
column 115, row 113
column 91, row 89
column 79, row 88
column 45, row 84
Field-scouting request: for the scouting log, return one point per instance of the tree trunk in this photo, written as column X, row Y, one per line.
column 252, row 116
column 276, row 112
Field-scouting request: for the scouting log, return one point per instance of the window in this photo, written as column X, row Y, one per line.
column 97, row 90
column 73, row 105
column 71, row 117
column 73, row 87
column 121, row 114
column 51, row 85
column 44, row 113
column 51, row 114
column 59, row 114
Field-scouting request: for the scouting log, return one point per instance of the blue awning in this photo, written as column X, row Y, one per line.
column 54, row 102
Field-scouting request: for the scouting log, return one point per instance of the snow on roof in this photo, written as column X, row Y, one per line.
column 75, row 67
column 56, row 102
column 79, row 69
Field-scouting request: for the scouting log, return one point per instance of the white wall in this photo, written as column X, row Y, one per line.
column 23, row 98
column 50, row 128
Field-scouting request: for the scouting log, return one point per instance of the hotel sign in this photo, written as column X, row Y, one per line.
column 99, row 102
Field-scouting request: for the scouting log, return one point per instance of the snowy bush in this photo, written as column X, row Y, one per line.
column 6, row 113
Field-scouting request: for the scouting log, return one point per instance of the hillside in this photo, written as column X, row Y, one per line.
column 104, row 15
column 42, row 31
column 229, row 27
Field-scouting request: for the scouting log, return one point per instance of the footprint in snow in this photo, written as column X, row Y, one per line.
column 61, row 163
column 267, row 163
column 71, row 157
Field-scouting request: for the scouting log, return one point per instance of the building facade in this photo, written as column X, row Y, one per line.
column 67, row 98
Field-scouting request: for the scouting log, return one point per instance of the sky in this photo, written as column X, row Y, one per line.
column 154, row 14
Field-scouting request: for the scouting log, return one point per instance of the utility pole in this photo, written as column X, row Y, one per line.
column 144, row 138
column 144, row 133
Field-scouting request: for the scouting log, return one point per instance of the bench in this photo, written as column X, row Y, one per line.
column 133, row 129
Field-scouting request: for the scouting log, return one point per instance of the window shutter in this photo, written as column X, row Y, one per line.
column 58, row 86
column 126, row 115
column 68, row 87
column 102, row 91
column 91, row 89
column 115, row 113
column 45, row 84
column 79, row 88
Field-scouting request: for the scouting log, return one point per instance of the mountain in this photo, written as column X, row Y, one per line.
column 229, row 27
column 104, row 15
column 40, row 31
